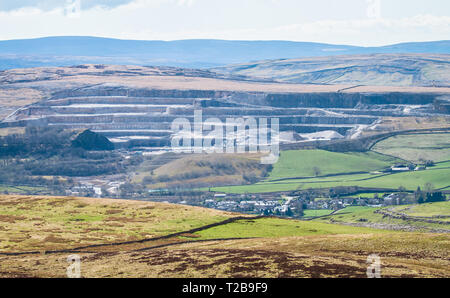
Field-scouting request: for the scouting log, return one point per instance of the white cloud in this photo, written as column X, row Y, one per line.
column 367, row 32
column 430, row 22
column 186, row 2
column 45, row 5
column 21, row 12
column 171, row 19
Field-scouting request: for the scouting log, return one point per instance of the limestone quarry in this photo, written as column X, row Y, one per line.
column 135, row 106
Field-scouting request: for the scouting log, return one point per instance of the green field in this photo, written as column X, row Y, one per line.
column 305, row 169
column 303, row 163
column 426, row 210
column 437, row 176
column 310, row 168
column 367, row 195
column 416, row 147
column 409, row 180
column 274, row 227
column 22, row 189
column 366, row 215
column 352, row 209
column 315, row 213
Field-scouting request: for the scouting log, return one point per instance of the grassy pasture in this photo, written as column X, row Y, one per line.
column 302, row 163
column 22, row 189
column 426, row 210
column 315, row 213
column 367, row 195
column 367, row 216
column 415, row 147
column 303, row 169
column 317, row 168
column 438, row 176
column 275, row 227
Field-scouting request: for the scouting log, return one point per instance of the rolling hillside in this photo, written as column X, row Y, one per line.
column 116, row 238
column 379, row 69
column 311, row 163
column 72, row 50
column 304, row 169
column 202, row 170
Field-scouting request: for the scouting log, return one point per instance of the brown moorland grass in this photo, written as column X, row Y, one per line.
column 402, row 255
column 29, row 221
column 154, row 78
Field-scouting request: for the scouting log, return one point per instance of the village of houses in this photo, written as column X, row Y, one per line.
column 264, row 204
column 294, row 206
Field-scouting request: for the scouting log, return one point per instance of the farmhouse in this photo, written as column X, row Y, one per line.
column 400, row 168
column 392, row 199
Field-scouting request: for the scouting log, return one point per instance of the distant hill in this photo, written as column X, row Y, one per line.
column 66, row 51
column 375, row 69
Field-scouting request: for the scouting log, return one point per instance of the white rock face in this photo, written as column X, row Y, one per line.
column 323, row 135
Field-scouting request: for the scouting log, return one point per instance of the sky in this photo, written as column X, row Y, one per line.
column 351, row 22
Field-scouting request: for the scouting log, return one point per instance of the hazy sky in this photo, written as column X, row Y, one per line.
column 356, row 22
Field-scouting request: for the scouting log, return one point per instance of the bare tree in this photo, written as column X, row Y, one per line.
column 317, row 171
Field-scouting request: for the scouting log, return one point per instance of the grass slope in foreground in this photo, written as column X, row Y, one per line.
column 45, row 223
column 283, row 248
column 54, row 223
